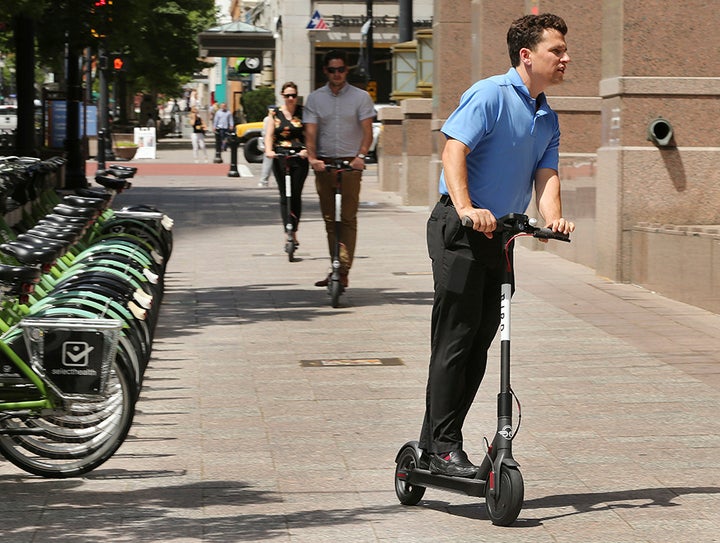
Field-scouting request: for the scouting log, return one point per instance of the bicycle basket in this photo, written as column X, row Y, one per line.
column 74, row 355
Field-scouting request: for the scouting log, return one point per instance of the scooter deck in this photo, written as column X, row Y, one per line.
column 461, row 485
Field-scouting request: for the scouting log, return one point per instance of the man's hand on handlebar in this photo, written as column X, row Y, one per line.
column 357, row 163
column 317, row 165
column 482, row 220
column 560, row 225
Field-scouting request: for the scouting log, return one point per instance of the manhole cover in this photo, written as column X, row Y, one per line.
column 330, row 362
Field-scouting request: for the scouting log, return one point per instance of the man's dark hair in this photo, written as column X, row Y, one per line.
column 333, row 55
column 527, row 32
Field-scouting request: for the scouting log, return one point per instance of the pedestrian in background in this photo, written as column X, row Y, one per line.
column 222, row 124
column 502, row 142
column 338, row 126
column 267, row 162
column 284, row 131
column 197, row 137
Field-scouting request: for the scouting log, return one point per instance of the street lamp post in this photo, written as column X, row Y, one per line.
column 369, row 39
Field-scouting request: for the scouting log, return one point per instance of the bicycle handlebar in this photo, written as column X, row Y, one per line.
column 517, row 223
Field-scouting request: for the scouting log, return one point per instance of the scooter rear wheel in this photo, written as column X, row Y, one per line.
column 504, row 507
column 406, row 493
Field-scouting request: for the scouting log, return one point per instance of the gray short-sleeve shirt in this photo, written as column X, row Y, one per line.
column 338, row 117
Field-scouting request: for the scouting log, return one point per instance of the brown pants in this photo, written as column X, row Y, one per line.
column 325, row 184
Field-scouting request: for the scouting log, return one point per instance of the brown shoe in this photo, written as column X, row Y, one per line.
column 323, row 282
column 343, row 280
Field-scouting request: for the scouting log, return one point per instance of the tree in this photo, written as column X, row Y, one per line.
column 160, row 39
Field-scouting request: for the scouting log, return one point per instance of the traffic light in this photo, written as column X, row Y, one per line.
column 100, row 17
column 118, row 62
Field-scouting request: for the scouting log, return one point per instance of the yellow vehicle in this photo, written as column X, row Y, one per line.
column 250, row 134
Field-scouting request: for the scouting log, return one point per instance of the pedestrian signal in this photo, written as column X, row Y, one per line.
column 118, row 62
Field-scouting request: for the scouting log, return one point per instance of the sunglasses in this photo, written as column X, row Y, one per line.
column 290, row 95
column 339, row 69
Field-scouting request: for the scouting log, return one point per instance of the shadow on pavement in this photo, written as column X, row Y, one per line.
column 577, row 504
column 188, row 310
column 164, row 513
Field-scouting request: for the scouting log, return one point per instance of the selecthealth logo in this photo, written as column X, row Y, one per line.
column 76, row 354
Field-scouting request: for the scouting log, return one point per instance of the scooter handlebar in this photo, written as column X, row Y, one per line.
column 343, row 165
column 517, row 224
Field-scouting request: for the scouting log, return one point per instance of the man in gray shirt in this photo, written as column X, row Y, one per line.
column 223, row 124
column 338, row 125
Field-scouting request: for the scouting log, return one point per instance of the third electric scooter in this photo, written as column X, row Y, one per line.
column 499, row 478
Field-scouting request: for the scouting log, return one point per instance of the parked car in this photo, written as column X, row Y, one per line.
column 250, row 135
column 372, row 155
column 8, row 117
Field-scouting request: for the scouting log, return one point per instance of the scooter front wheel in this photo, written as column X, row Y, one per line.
column 407, row 494
column 335, row 291
column 504, row 505
column 290, row 250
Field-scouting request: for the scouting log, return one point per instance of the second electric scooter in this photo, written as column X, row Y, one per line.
column 499, row 479
column 288, row 154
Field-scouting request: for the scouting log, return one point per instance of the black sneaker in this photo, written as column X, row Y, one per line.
column 453, row 464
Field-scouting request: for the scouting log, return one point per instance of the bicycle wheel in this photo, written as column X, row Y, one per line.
column 71, row 442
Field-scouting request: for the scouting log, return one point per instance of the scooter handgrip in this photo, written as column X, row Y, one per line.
column 467, row 222
column 547, row 233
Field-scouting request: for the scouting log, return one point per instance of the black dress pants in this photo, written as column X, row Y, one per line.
column 467, row 273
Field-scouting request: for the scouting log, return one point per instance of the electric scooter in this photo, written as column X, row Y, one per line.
column 287, row 154
column 498, row 479
column 335, row 288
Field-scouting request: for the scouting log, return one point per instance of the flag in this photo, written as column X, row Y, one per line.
column 317, row 22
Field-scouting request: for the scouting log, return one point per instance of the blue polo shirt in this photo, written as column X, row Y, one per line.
column 510, row 136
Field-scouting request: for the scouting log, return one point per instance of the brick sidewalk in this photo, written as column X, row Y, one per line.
column 237, row 439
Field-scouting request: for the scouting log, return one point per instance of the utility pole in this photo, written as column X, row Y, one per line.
column 369, row 39
column 405, row 20
column 75, row 169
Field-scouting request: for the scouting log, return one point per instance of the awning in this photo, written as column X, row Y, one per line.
column 236, row 39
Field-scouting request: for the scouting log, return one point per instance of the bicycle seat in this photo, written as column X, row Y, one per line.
column 16, row 275
column 94, row 193
column 84, row 201
column 112, row 183
column 125, row 172
column 30, row 255
column 71, row 211
column 54, row 218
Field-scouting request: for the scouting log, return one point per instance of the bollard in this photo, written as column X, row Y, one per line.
column 233, row 142
column 101, row 149
column 218, row 147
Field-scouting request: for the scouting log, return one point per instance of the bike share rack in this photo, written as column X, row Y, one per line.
column 81, row 289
